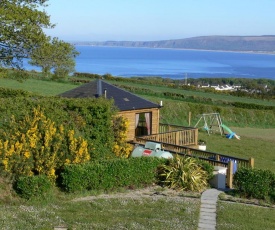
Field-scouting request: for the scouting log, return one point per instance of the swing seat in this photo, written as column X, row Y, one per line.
column 230, row 135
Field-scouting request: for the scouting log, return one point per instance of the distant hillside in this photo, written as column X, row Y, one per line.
column 226, row 43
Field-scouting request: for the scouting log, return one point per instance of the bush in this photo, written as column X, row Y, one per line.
column 8, row 93
column 88, row 117
column 254, row 183
column 36, row 146
column 207, row 167
column 110, row 174
column 121, row 148
column 33, row 186
column 183, row 173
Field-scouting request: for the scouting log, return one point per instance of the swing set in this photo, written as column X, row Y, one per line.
column 212, row 122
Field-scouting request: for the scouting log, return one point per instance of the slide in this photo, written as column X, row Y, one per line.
column 231, row 133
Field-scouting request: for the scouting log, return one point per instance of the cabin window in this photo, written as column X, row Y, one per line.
column 143, row 124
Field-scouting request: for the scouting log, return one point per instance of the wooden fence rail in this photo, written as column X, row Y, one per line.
column 163, row 128
column 216, row 159
column 177, row 135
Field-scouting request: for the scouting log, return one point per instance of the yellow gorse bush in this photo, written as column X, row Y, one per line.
column 36, row 145
column 121, row 148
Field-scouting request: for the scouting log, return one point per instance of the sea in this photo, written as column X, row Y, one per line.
column 173, row 63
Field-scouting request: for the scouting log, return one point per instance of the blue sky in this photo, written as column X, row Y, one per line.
column 147, row 20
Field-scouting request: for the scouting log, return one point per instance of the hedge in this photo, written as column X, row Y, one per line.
column 196, row 99
column 255, row 183
column 33, row 186
column 110, row 174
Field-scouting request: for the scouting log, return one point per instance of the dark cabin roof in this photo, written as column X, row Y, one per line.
column 122, row 99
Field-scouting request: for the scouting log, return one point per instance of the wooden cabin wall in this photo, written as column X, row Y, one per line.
column 131, row 116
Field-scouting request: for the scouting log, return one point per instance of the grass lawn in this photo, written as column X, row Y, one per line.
column 245, row 217
column 262, row 134
column 45, row 88
column 155, row 212
column 261, row 149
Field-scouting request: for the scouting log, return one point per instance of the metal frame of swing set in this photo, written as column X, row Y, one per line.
column 209, row 121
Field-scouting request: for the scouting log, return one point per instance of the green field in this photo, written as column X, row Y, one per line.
column 245, row 217
column 256, row 140
column 42, row 87
column 261, row 148
column 214, row 96
column 50, row 88
column 127, row 210
column 153, row 213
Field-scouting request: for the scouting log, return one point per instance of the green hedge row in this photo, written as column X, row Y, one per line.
column 252, row 106
column 255, row 183
column 197, row 99
column 110, row 174
column 86, row 75
column 6, row 93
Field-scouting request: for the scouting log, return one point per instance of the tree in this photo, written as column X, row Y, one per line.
column 56, row 55
column 21, row 29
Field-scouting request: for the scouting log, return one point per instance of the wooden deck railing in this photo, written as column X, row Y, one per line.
column 163, row 128
column 216, row 159
column 177, row 135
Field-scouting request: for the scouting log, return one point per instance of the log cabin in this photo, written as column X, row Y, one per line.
column 142, row 115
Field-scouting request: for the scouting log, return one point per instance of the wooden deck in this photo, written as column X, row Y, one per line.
column 184, row 140
column 176, row 135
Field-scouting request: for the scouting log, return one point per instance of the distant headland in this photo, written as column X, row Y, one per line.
column 261, row 44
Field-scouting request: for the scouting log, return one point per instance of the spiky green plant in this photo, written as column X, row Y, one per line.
column 183, row 173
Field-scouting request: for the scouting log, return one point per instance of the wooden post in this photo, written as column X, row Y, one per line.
column 196, row 136
column 251, row 162
column 157, row 137
column 229, row 176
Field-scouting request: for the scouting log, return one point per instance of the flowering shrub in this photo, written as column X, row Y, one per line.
column 35, row 145
column 89, row 117
column 121, row 148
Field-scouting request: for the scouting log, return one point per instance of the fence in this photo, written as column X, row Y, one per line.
column 176, row 135
column 216, row 159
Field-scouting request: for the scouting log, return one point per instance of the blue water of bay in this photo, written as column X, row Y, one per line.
column 173, row 63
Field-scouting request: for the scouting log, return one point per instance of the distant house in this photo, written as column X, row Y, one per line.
column 215, row 86
column 205, row 86
column 143, row 115
column 237, row 86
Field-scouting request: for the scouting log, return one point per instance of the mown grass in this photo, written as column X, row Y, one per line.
column 245, row 217
column 41, row 87
column 108, row 213
column 261, row 149
column 262, row 134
